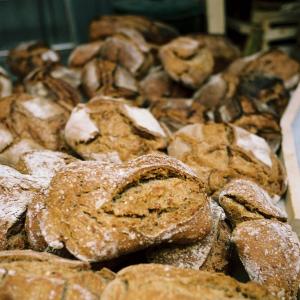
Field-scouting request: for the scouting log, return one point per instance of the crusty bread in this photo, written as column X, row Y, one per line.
column 16, row 192
column 42, row 166
column 53, row 84
column 210, row 253
column 222, row 152
column 154, row 281
column 270, row 253
column 30, row 55
column 99, row 212
column 104, row 77
column 187, row 61
column 244, row 200
column 36, row 119
column 37, row 276
column 105, row 125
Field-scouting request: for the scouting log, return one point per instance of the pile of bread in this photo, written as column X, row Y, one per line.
column 145, row 169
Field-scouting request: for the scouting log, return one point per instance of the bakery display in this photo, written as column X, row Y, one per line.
column 150, row 153
column 221, row 152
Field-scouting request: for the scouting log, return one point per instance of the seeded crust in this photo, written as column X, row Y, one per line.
column 186, row 61
column 222, row 152
column 27, row 56
column 269, row 251
column 210, row 253
column 33, row 118
column 124, row 208
column 110, row 130
column 16, row 192
column 154, row 281
column 244, row 200
column 31, row 275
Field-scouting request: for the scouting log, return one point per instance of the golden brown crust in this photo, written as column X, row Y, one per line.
column 221, row 152
column 124, row 207
column 269, row 251
column 154, row 281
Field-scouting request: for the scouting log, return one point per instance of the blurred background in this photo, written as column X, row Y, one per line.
column 253, row 25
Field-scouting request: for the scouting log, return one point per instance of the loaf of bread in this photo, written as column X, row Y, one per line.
column 33, row 118
column 154, row 281
column 30, row 55
column 16, row 192
column 157, row 84
column 84, row 53
column 243, row 200
column 147, row 201
column 270, row 253
column 223, row 51
column 128, row 48
column 187, row 61
column 103, row 77
column 222, row 152
column 106, row 125
column 54, row 84
column 33, row 275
